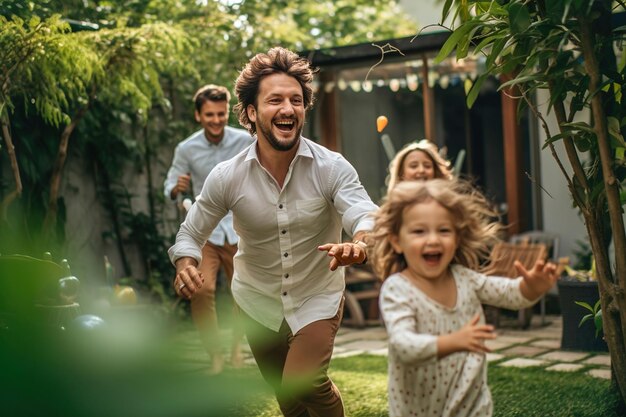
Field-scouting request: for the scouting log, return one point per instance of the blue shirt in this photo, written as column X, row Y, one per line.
column 197, row 156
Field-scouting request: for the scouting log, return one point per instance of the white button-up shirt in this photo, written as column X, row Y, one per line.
column 279, row 271
column 197, row 156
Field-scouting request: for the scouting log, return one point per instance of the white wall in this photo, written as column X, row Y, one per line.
column 559, row 216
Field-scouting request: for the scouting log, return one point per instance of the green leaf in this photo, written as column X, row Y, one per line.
column 584, row 319
column 489, row 40
column 519, row 18
column 464, row 43
column 597, row 307
column 553, row 139
column 617, row 90
column 554, row 10
column 454, row 39
column 446, row 10
column 598, row 322
column 475, row 90
column 557, row 93
column 584, row 126
column 578, row 101
column 614, row 130
column 519, row 80
column 582, row 141
column 510, row 65
column 495, row 52
column 585, row 305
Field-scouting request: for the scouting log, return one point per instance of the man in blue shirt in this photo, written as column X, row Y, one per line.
column 194, row 158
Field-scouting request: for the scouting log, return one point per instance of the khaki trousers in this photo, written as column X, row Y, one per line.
column 296, row 366
column 203, row 310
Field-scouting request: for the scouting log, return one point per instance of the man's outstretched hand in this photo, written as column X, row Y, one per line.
column 344, row 254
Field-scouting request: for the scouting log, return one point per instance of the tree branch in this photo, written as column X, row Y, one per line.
column 11, row 150
column 555, row 155
column 568, row 142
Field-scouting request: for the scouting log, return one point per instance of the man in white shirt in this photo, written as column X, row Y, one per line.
column 193, row 159
column 290, row 197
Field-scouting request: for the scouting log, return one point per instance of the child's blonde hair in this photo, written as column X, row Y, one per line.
column 474, row 220
column 441, row 166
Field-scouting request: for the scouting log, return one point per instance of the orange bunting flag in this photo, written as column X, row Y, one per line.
column 381, row 123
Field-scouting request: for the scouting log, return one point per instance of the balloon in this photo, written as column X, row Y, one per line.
column 381, row 123
column 125, row 295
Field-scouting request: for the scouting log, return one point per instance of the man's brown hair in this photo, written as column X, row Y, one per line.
column 277, row 60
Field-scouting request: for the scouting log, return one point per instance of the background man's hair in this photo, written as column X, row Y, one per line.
column 210, row 92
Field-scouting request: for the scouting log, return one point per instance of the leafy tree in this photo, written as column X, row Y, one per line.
column 43, row 67
column 567, row 47
column 322, row 24
column 131, row 61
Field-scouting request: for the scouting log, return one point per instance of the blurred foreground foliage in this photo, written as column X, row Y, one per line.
column 124, row 366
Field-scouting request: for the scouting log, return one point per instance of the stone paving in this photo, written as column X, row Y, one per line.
column 537, row 346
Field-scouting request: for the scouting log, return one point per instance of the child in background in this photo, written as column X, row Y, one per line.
column 418, row 161
column 429, row 238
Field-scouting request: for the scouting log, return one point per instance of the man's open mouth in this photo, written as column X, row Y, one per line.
column 285, row 125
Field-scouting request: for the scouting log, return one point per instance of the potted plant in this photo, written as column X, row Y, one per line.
column 579, row 299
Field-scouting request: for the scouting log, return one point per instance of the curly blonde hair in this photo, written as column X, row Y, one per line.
column 475, row 221
column 441, row 166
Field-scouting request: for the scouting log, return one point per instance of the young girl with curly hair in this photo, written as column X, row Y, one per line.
column 429, row 239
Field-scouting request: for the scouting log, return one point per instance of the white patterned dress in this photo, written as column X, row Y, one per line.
column 419, row 383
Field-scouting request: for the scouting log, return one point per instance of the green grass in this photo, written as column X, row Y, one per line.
column 516, row 392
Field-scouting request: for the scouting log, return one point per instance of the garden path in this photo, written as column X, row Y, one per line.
column 538, row 346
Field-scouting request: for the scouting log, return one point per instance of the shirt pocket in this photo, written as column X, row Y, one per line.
column 312, row 215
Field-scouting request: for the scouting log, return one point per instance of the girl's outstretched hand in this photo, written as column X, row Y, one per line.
column 470, row 338
column 538, row 280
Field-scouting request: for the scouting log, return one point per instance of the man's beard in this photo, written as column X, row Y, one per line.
column 275, row 143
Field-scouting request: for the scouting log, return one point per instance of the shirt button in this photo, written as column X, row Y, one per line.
column 286, row 254
column 280, row 206
column 286, row 275
column 283, row 231
column 285, row 293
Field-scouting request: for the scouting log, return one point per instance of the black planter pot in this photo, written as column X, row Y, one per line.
column 581, row 338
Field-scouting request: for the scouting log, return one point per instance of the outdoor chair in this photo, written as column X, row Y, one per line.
column 501, row 263
column 361, row 297
column 551, row 240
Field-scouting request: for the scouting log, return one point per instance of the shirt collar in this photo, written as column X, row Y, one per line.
column 304, row 150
